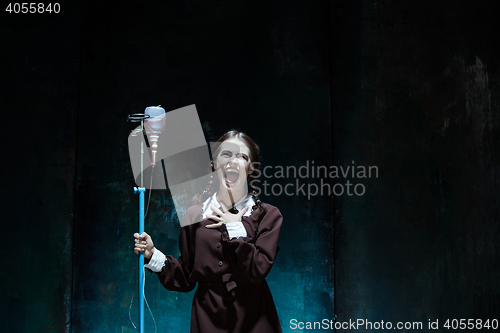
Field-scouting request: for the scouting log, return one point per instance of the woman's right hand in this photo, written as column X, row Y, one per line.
column 143, row 242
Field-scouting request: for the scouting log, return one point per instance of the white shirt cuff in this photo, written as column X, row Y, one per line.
column 157, row 261
column 236, row 230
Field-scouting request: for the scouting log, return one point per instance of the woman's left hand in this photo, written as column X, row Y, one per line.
column 224, row 216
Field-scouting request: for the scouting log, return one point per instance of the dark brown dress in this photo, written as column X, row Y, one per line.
column 232, row 294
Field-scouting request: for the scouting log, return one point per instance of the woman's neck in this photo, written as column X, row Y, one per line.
column 225, row 197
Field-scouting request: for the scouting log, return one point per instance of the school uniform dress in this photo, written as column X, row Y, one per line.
column 229, row 264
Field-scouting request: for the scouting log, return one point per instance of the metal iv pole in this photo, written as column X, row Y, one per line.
column 141, row 190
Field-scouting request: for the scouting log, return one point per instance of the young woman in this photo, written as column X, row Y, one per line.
column 228, row 244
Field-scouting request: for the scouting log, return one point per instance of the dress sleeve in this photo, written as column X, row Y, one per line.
column 175, row 274
column 156, row 262
column 255, row 256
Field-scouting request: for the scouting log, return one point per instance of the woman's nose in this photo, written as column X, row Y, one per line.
column 233, row 161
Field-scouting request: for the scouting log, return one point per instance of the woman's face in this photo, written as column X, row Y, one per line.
column 233, row 163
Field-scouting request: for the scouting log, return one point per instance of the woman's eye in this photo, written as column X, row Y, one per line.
column 243, row 156
column 226, row 154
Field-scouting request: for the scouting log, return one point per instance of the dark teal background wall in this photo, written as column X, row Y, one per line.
column 411, row 88
column 416, row 92
column 39, row 94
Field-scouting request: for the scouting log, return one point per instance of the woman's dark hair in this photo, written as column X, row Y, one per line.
column 255, row 163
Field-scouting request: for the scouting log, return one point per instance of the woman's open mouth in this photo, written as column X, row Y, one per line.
column 231, row 175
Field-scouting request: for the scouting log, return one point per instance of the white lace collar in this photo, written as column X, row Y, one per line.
column 246, row 201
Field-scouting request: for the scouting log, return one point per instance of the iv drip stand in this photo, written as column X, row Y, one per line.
column 141, row 190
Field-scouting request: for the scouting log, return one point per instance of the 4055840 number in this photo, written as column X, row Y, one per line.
column 471, row 324
column 33, row 8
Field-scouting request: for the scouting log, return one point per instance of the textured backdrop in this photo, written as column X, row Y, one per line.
column 409, row 87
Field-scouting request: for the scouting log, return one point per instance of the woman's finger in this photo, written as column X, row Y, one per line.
column 215, row 225
column 216, row 210
column 243, row 211
column 213, row 217
column 224, row 207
